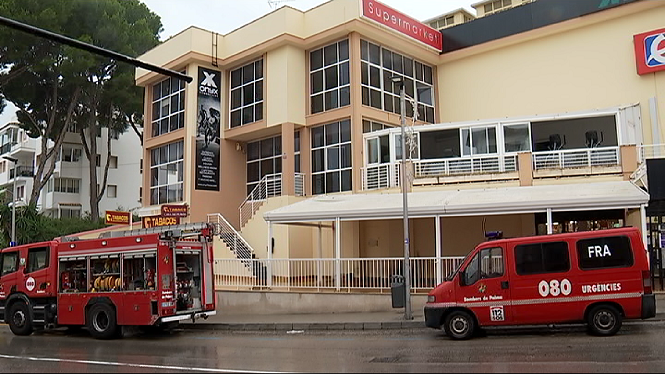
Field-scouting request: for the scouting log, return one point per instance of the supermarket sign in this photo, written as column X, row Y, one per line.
column 402, row 23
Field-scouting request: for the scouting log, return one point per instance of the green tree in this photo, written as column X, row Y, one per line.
column 75, row 89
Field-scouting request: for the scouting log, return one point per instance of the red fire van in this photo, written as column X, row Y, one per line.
column 597, row 277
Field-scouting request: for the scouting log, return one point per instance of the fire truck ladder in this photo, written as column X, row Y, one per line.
column 237, row 244
column 175, row 231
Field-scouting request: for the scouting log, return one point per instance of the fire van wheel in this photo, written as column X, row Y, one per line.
column 459, row 325
column 19, row 319
column 101, row 322
column 604, row 320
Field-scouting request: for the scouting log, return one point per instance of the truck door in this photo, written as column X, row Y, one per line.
column 36, row 272
column 485, row 287
column 9, row 262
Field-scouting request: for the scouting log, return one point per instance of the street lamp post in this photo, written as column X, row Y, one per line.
column 15, row 161
column 405, row 207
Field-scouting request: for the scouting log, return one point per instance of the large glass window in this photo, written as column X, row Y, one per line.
column 608, row 252
column 440, row 144
column 379, row 65
column 247, row 94
column 168, row 106
column 166, row 173
column 329, row 76
column 64, row 185
column 264, row 157
column 331, row 158
column 70, row 153
column 479, row 140
column 517, row 138
column 542, row 258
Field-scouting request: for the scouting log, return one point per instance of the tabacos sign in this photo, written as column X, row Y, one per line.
column 154, row 221
column 650, row 51
column 175, row 210
column 402, row 23
column 116, row 218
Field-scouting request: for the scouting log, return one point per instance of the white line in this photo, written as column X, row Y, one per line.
column 143, row 366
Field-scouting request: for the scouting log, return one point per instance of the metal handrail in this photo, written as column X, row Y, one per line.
column 231, row 237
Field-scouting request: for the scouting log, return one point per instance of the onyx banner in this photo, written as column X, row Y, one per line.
column 208, row 130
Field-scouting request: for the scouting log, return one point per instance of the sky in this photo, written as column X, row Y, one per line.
column 223, row 16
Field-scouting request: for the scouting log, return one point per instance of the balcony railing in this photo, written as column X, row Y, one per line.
column 577, row 158
column 649, row 151
column 345, row 275
column 269, row 186
column 22, row 171
column 465, row 166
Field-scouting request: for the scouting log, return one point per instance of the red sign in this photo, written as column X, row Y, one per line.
column 650, row 51
column 175, row 210
column 402, row 23
column 117, row 218
column 154, row 221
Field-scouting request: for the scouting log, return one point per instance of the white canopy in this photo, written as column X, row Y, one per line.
column 465, row 202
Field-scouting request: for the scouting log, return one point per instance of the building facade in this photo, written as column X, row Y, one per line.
column 289, row 135
column 67, row 193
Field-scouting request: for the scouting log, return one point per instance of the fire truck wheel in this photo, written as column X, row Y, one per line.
column 459, row 325
column 604, row 320
column 20, row 321
column 101, row 321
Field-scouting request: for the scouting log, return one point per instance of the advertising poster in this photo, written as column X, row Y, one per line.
column 208, row 130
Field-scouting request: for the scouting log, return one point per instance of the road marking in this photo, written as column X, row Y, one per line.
column 142, row 366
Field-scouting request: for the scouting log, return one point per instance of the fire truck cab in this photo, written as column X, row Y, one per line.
column 148, row 277
column 596, row 277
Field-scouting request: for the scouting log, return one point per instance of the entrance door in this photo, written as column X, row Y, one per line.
column 485, row 287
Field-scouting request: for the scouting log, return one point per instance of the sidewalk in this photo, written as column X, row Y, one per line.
column 332, row 321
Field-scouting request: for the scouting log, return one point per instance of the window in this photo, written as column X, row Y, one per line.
column 331, row 158
column 517, row 138
column 98, row 160
column 64, row 185
column 9, row 262
column 113, row 162
column 541, row 258
column 608, row 252
column 166, row 173
column 168, row 106
column 478, row 141
column 440, row 144
column 20, row 192
column 247, row 94
column 296, row 153
column 371, row 126
column 329, row 76
column 38, row 259
column 264, row 157
column 378, row 90
column 111, row 191
column 496, row 5
column 70, row 153
column 70, row 213
column 490, row 261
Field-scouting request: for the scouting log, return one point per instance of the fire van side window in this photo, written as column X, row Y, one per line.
column 9, row 263
column 607, row 252
column 542, row 258
column 38, row 258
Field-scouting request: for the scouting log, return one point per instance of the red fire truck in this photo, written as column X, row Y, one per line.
column 147, row 277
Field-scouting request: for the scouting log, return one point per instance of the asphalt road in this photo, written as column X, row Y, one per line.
column 637, row 348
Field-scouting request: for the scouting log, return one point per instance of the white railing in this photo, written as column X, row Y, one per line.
column 465, row 166
column 649, row 151
column 269, row 186
column 576, row 158
column 343, row 275
column 232, row 238
column 377, row 176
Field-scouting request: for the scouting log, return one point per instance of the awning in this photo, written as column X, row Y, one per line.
column 466, row 202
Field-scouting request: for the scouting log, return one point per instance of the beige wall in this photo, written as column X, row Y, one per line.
column 460, row 235
column 583, row 66
column 286, row 85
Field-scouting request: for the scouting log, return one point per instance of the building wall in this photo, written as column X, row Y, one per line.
column 577, row 65
column 460, row 235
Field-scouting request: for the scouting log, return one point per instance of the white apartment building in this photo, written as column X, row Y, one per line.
column 67, row 192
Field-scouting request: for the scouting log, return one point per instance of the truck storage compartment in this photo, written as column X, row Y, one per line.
column 188, row 280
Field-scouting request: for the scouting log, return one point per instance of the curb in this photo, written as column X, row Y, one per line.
column 355, row 326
